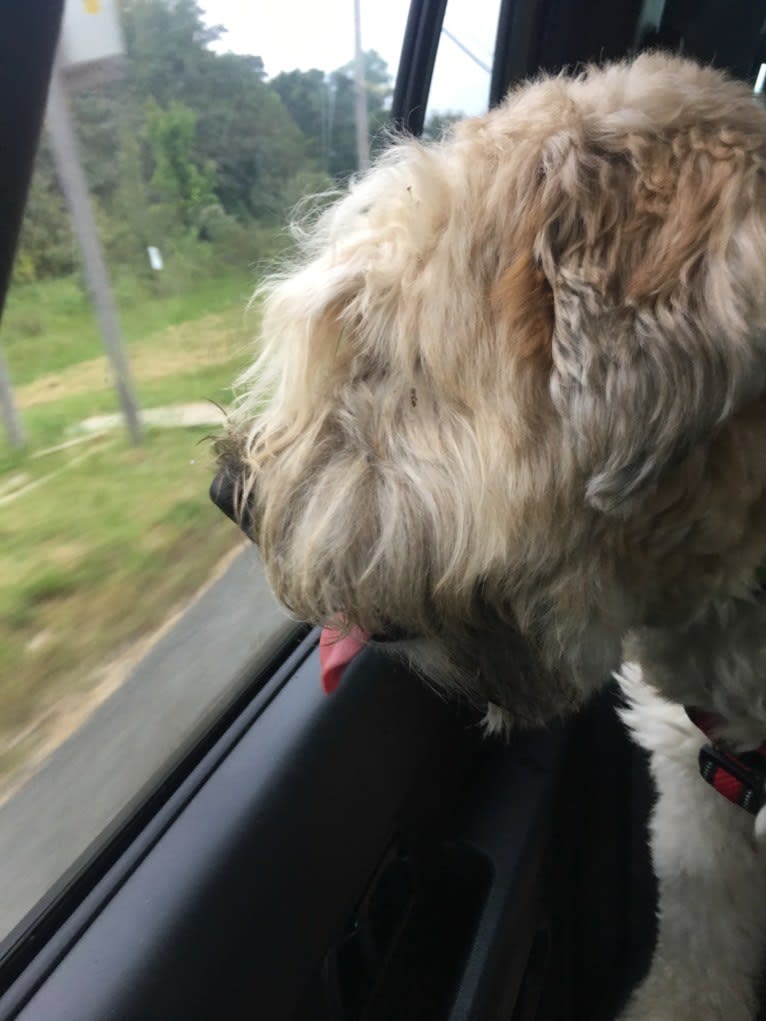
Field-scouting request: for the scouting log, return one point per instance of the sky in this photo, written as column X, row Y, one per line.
column 290, row 34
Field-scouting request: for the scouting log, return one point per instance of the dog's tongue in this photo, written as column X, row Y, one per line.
column 336, row 650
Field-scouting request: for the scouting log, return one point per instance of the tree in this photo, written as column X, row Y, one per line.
column 306, row 95
column 342, row 113
column 46, row 246
column 323, row 107
column 170, row 133
column 194, row 146
column 242, row 126
column 167, row 45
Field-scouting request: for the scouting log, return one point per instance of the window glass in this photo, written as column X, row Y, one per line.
column 131, row 610
column 461, row 79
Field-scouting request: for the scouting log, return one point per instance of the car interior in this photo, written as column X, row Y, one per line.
column 367, row 854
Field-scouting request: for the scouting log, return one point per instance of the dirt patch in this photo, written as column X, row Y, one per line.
column 180, row 349
column 173, row 415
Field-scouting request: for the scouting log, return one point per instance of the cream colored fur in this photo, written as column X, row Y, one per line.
column 510, row 398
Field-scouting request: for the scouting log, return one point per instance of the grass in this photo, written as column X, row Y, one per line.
column 94, row 560
column 193, row 359
column 49, row 326
column 101, row 540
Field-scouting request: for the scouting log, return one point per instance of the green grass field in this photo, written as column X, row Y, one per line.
column 101, row 540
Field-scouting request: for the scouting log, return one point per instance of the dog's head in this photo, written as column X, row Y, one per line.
column 493, row 358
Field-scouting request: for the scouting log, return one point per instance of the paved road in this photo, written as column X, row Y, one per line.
column 92, row 775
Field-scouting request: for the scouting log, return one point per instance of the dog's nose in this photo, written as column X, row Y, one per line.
column 223, row 491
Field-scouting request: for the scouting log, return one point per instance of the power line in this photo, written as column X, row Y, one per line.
column 468, row 53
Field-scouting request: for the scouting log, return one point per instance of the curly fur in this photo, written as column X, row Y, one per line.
column 515, row 379
column 510, row 397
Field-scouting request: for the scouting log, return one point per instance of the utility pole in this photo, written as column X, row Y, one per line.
column 75, row 188
column 14, row 428
column 360, row 95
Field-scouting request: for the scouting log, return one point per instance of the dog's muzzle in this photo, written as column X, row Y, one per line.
column 223, row 493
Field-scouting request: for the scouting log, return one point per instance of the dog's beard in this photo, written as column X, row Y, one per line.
column 494, row 642
column 493, row 668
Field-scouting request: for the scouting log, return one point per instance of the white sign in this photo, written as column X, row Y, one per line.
column 90, row 33
column 155, row 257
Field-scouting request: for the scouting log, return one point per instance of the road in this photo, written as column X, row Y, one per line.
column 191, row 670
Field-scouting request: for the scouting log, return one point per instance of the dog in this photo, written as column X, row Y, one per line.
column 508, row 417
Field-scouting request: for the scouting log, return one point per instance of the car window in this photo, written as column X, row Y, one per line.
column 463, row 69
column 132, row 613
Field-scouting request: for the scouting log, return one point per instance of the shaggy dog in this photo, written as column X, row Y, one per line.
column 509, row 413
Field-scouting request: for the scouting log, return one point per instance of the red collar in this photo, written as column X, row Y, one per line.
column 740, row 777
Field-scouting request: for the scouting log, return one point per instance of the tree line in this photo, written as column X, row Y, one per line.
column 194, row 150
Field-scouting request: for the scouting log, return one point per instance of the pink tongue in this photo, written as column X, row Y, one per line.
column 335, row 653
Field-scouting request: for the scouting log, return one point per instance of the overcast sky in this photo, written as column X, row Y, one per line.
column 320, row 33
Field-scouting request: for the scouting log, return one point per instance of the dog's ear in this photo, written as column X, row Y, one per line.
column 655, row 253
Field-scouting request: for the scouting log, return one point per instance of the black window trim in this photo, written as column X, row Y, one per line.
column 27, row 47
column 416, row 65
